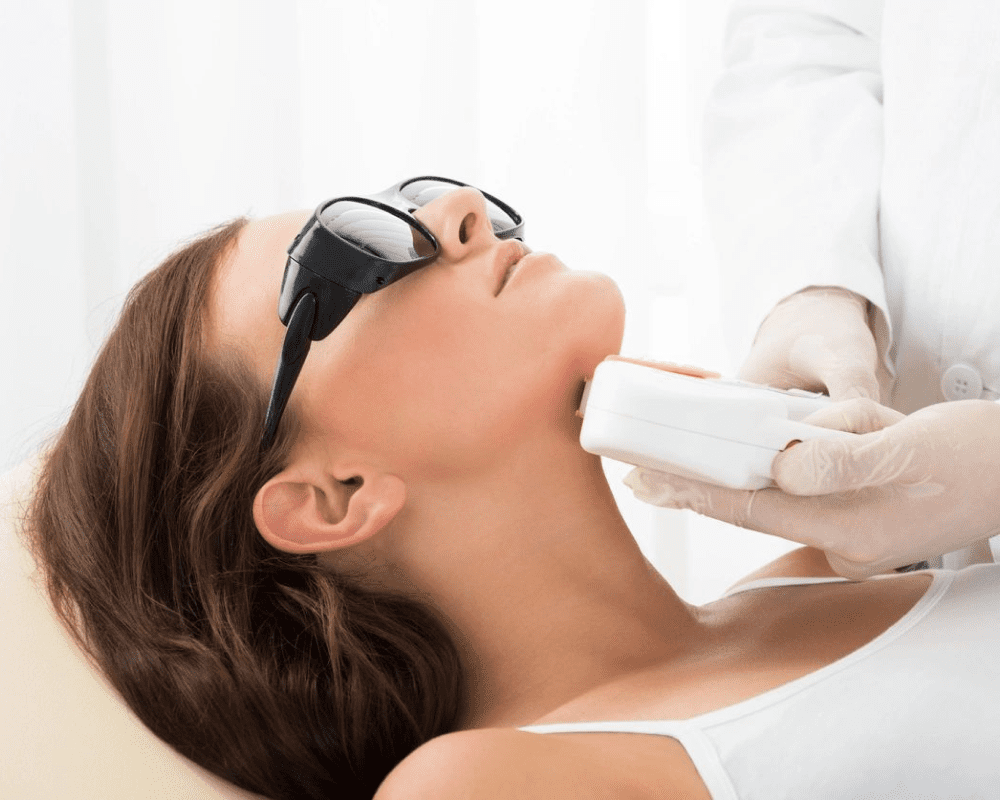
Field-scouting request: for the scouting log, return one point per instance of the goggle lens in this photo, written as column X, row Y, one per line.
column 422, row 191
column 376, row 231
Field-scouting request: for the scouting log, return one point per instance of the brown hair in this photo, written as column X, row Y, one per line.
column 264, row 667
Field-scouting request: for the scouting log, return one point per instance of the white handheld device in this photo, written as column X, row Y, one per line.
column 693, row 423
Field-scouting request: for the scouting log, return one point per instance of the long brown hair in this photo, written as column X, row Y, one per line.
column 263, row 667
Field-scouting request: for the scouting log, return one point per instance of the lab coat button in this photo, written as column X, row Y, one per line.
column 961, row 382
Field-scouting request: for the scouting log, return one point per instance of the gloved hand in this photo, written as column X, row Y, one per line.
column 817, row 339
column 908, row 489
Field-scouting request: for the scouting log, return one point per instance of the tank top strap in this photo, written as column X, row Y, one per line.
column 698, row 746
column 767, row 583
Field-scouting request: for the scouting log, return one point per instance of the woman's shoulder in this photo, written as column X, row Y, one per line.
column 504, row 763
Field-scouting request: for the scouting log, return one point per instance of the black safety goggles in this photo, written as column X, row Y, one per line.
column 353, row 246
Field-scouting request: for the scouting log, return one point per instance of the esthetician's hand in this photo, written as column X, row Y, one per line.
column 908, row 489
column 817, row 339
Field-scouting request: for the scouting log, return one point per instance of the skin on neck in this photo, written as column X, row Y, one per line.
column 538, row 577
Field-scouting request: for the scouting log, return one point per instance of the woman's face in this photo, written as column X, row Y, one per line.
column 441, row 371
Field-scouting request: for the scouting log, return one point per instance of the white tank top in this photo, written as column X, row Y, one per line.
column 913, row 714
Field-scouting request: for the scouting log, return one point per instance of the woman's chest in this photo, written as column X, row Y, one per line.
column 774, row 637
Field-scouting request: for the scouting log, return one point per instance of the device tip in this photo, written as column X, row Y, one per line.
column 667, row 366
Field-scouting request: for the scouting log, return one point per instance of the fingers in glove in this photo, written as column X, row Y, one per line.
column 847, row 384
column 735, row 506
column 829, row 466
column 828, row 523
column 847, row 373
column 766, row 372
column 856, row 416
column 672, row 491
column 815, row 521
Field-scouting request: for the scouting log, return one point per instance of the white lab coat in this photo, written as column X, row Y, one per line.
column 856, row 143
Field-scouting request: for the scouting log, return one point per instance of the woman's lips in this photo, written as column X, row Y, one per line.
column 510, row 254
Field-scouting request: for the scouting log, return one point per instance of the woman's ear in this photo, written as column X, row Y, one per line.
column 299, row 515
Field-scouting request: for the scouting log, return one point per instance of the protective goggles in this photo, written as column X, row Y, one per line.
column 353, row 246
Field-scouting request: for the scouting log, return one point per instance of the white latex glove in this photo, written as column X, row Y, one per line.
column 817, row 339
column 909, row 489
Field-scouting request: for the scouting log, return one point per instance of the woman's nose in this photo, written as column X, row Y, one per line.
column 459, row 221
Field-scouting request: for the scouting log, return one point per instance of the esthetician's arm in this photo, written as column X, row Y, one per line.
column 792, row 169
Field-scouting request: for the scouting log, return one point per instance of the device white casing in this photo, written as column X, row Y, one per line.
column 724, row 432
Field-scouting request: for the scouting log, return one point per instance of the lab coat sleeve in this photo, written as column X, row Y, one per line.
column 793, row 156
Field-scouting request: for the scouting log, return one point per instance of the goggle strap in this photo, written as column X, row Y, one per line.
column 294, row 350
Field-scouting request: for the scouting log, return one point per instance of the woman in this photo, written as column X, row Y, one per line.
column 426, row 550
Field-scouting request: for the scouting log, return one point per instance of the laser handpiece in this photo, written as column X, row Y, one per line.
column 694, row 423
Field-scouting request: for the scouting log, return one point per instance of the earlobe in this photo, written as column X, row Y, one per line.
column 298, row 516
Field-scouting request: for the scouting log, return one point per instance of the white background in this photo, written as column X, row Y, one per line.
column 127, row 125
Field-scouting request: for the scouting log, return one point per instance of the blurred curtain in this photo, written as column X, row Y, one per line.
column 127, row 125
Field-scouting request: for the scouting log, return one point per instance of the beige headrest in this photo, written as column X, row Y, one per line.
column 65, row 732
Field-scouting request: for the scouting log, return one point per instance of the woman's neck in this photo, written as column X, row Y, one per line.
column 541, row 582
